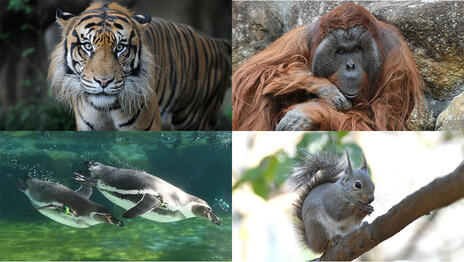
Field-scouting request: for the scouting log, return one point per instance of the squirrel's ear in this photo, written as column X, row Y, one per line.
column 349, row 168
column 364, row 163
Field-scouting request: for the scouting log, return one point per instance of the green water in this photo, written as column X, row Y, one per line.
column 197, row 162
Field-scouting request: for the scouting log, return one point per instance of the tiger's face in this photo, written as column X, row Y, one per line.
column 102, row 48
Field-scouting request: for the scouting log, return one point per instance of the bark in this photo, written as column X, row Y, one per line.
column 439, row 193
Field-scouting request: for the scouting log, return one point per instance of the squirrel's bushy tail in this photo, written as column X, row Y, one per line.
column 313, row 170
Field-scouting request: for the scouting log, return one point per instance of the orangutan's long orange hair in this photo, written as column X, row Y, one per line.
column 277, row 79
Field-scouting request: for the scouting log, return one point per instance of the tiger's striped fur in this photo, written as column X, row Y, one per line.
column 138, row 72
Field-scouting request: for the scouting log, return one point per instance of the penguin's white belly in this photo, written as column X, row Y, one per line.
column 124, row 203
column 60, row 217
column 161, row 218
column 186, row 212
column 150, row 215
column 69, row 220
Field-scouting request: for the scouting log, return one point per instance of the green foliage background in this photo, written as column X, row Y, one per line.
column 274, row 170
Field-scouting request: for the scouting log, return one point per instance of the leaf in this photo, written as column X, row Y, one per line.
column 19, row 5
column 4, row 35
column 25, row 27
column 28, row 51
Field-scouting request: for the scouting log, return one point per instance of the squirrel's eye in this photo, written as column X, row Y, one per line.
column 357, row 184
column 120, row 48
column 88, row 47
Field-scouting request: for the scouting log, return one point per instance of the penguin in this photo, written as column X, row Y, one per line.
column 143, row 194
column 65, row 206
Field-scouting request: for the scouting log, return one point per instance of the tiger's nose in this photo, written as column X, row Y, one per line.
column 103, row 81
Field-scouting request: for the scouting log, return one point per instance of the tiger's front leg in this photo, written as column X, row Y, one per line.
column 89, row 118
column 144, row 118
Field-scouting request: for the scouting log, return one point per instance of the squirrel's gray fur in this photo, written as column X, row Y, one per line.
column 329, row 204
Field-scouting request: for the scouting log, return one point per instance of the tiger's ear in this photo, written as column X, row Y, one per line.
column 142, row 20
column 62, row 17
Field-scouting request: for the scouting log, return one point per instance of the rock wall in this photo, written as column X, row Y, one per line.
column 433, row 30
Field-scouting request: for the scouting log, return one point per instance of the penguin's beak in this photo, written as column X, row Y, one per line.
column 213, row 218
column 22, row 184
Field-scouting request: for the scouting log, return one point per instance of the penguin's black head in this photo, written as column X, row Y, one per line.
column 22, row 184
column 90, row 164
column 203, row 210
column 95, row 168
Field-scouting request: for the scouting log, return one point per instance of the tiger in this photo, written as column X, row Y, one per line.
column 120, row 71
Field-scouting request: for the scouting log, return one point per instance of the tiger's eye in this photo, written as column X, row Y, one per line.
column 120, row 48
column 357, row 184
column 88, row 47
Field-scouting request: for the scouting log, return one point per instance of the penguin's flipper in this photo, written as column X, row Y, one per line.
column 51, row 206
column 147, row 203
column 85, row 190
column 80, row 177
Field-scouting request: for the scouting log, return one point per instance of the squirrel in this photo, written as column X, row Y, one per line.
column 332, row 199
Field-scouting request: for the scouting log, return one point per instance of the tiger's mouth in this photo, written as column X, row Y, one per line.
column 98, row 91
column 91, row 87
column 102, row 100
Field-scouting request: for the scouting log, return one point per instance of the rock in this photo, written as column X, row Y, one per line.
column 421, row 117
column 254, row 26
column 434, row 32
column 306, row 12
column 452, row 118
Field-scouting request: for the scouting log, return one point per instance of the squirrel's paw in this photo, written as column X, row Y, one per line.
column 366, row 209
column 334, row 241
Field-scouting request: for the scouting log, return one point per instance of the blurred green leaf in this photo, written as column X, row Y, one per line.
column 26, row 82
column 269, row 174
column 37, row 114
column 4, row 35
column 28, row 9
column 20, row 5
column 25, row 27
column 228, row 112
column 273, row 170
column 28, row 51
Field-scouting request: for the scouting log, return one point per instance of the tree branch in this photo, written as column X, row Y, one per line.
column 439, row 193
